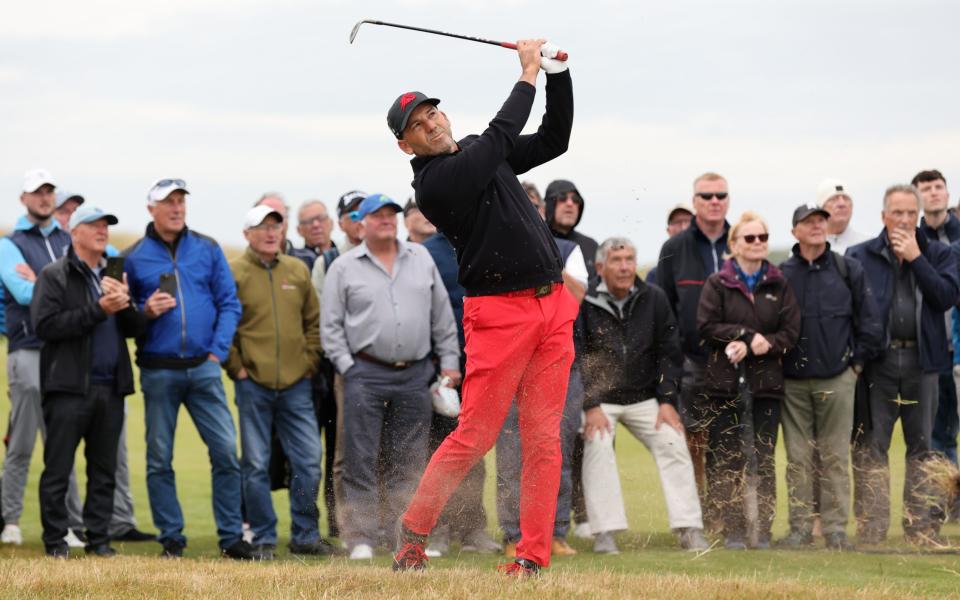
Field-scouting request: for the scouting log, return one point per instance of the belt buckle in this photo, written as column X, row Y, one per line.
column 543, row 290
column 400, row 365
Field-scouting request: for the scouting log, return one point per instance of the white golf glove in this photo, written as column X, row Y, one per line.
column 547, row 61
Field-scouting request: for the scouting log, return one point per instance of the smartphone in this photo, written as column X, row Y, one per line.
column 168, row 283
column 114, row 268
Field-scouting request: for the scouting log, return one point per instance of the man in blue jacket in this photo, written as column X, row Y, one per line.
column 914, row 280
column 183, row 284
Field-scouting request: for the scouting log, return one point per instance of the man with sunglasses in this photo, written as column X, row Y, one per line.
column 686, row 260
column 564, row 210
column 180, row 279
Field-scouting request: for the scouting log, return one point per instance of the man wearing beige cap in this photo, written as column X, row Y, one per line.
column 678, row 219
column 834, row 197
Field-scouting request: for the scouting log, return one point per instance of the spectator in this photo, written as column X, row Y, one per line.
column 464, row 517
column 383, row 305
column 181, row 364
column 36, row 241
column 418, row 227
column 83, row 318
column 686, row 260
column 275, row 351
column 941, row 225
column 631, row 355
column 839, row 332
column 747, row 315
column 534, row 195
column 315, row 226
column 564, row 209
column 914, row 281
column 123, row 525
column 353, row 235
column 275, row 201
column 833, row 197
column 509, row 452
column 678, row 219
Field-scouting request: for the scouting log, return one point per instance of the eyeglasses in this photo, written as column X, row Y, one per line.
column 167, row 182
column 268, row 227
column 317, row 219
column 751, row 237
column 711, row 196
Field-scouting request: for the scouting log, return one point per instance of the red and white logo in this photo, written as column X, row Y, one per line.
column 406, row 99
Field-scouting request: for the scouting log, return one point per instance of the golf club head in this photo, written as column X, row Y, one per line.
column 356, row 28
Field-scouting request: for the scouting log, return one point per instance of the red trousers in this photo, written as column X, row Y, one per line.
column 517, row 347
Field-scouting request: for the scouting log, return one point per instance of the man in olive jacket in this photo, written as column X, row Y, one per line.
column 275, row 351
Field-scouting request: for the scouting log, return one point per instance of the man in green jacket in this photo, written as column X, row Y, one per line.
column 275, row 351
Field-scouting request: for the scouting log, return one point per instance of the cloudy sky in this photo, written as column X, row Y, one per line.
column 244, row 96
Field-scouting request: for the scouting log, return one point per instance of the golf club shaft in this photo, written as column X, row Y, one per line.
column 562, row 56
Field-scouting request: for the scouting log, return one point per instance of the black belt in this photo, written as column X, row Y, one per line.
column 395, row 365
column 898, row 344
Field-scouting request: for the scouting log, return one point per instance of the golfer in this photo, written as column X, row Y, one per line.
column 517, row 317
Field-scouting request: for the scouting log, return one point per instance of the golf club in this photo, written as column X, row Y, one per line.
column 562, row 56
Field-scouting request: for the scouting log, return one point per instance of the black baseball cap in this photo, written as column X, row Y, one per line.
column 805, row 210
column 402, row 108
column 349, row 202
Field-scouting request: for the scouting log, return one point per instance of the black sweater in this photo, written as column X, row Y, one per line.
column 473, row 195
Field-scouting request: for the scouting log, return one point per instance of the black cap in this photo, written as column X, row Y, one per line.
column 402, row 108
column 349, row 202
column 805, row 210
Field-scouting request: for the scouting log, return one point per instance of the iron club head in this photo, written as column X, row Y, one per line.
column 356, row 28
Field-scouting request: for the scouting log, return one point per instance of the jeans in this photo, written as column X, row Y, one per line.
column 201, row 391
column 291, row 411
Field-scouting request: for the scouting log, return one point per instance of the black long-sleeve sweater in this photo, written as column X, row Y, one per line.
column 473, row 195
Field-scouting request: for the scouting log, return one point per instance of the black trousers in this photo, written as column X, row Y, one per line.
column 726, row 477
column 97, row 419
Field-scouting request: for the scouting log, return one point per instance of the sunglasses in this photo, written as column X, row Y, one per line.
column 751, row 238
column 168, row 182
column 711, row 196
column 570, row 196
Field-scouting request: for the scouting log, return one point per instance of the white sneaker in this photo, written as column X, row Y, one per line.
column 605, row 544
column 361, row 552
column 11, row 535
column 582, row 531
column 72, row 540
column 247, row 533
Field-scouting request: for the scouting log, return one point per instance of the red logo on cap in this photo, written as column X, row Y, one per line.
column 406, row 99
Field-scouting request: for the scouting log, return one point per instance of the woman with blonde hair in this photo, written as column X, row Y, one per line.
column 749, row 318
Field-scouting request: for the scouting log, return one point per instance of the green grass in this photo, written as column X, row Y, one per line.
column 649, row 556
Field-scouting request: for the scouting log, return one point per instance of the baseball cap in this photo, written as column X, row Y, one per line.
column 402, row 108
column 805, row 210
column 349, row 202
column 257, row 214
column 373, row 203
column 681, row 206
column 64, row 195
column 89, row 214
column 34, row 178
column 829, row 188
column 162, row 188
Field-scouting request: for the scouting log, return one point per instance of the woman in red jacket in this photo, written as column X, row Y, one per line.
column 748, row 318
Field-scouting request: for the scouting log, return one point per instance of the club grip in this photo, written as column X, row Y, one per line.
column 561, row 56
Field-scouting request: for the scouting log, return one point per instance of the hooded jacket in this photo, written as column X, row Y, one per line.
column 728, row 312
column 587, row 244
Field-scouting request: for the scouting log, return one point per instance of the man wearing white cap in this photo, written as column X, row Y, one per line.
column 182, row 282
column 36, row 241
column 834, row 197
column 83, row 316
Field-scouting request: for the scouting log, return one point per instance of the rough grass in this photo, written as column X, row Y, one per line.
column 650, row 565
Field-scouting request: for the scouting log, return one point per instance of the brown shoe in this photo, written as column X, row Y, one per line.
column 561, row 548
column 510, row 550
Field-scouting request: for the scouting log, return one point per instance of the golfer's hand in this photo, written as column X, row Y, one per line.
column 759, row 345
column 158, row 303
column 596, row 423
column 529, row 51
column 668, row 414
column 547, row 61
column 736, row 351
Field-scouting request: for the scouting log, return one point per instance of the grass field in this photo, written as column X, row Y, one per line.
column 650, row 565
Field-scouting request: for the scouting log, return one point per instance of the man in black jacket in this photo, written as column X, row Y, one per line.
column 686, row 260
column 518, row 318
column 563, row 211
column 82, row 318
column 631, row 361
column 840, row 332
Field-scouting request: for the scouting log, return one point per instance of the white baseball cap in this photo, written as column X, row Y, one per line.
column 34, row 178
column 829, row 188
column 162, row 188
column 257, row 214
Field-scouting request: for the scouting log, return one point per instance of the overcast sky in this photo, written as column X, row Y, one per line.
column 244, row 96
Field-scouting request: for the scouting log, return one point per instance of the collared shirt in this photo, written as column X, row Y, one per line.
column 849, row 237
column 393, row 316
column 903, row 310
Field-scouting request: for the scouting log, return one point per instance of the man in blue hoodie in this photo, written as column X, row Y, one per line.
column 180, row 279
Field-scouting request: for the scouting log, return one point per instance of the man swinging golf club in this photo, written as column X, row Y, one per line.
column 518, row 318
